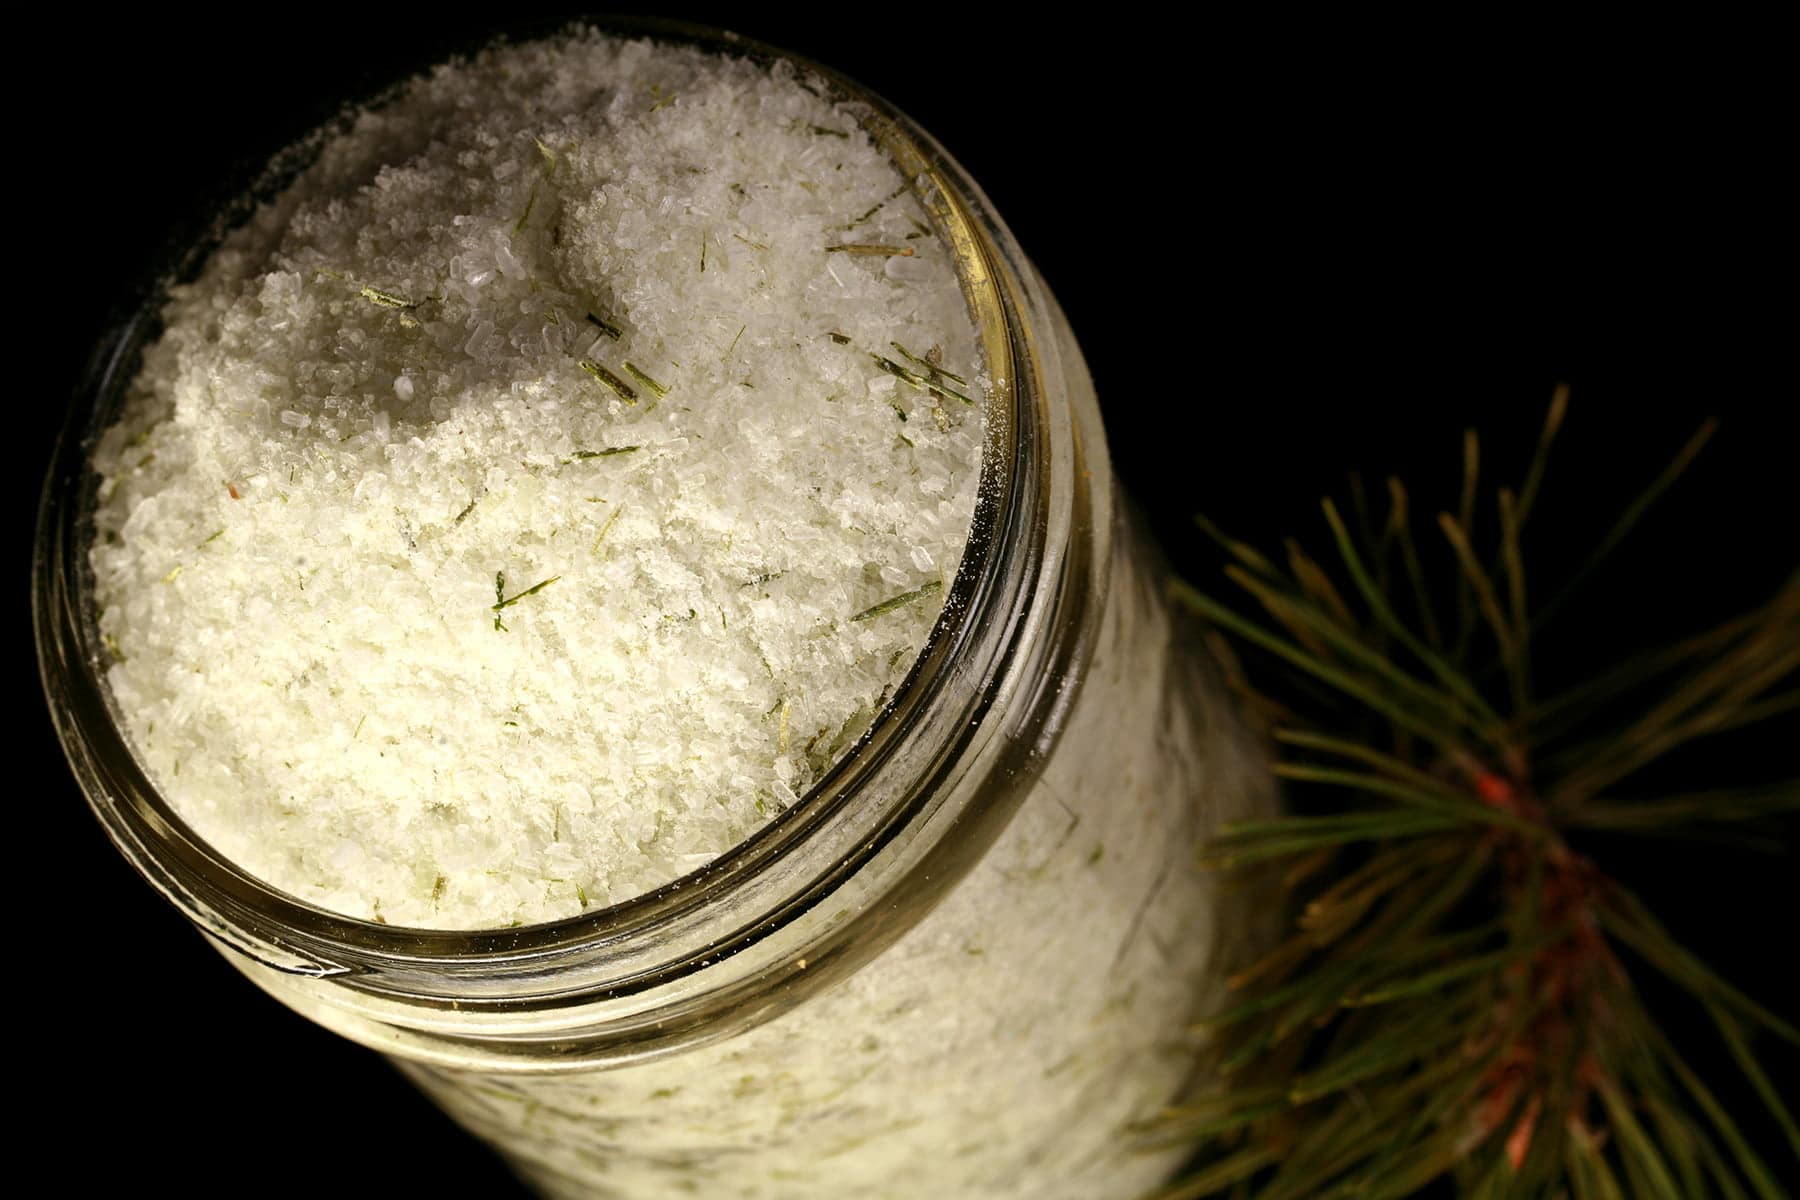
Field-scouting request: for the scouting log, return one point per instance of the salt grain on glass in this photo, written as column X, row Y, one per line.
column 539, row 503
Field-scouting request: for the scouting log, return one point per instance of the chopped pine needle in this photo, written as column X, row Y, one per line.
column 383, row 299
column 637, row 373
column 619, row 387
column 936, row 371
column 871, row 249
column 607, row 528
column 900, row 601
column 509, row 601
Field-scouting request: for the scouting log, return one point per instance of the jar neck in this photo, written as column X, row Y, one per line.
column 804, row 901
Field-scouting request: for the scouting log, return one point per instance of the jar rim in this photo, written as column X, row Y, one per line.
column 997, row 615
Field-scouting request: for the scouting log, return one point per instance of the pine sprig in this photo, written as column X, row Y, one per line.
column 1455, row 1000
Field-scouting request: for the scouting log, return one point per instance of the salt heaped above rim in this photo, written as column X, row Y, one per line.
column 532, row 500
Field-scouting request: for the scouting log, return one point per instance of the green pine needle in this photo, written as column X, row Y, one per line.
column 1455, row 999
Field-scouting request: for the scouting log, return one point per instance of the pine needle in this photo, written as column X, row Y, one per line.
column 1559, row 408
column 898, row 602
column 1628, row 521
column 1399, row 521
column 618, row 386
column 1454, row 1000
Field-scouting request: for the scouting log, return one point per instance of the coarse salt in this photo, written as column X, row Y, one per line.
column 510, row 632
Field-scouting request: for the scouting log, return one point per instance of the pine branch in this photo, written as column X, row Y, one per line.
column 1455, row 999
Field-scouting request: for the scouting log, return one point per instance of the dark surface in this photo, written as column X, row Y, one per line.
column 1287, row 254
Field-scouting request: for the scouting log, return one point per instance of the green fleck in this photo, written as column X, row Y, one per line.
column 354, row 733
column 900, row 601
column 935, row 386
column 899, row 372
column 530, row 203
column 209, row 541
column 945, row 390
column 937, row 372
column 827, row 131
column 385, row 299
column 581, row 895
column 607, row 527
column 173, row 575
column 703, row 241
column 1097, row 853
column 641, row 377
column 547, row 152
column 620, row 388
column 504, row 601
column 871, row 248
column 877, row 206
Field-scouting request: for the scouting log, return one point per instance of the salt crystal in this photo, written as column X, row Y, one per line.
column 508, row 261
column 478, row 341
column 534, row 603
column 908, row 269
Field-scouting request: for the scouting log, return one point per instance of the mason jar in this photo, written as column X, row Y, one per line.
column 966, row 964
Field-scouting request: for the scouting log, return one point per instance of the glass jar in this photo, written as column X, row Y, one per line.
column 965, row 964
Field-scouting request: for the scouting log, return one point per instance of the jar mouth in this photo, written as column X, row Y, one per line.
column 784, row 868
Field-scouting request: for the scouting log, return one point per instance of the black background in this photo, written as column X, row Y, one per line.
column 1288, row 250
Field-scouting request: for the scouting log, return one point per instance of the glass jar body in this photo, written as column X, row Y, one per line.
column 965, row 965
column 1012, row 1042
